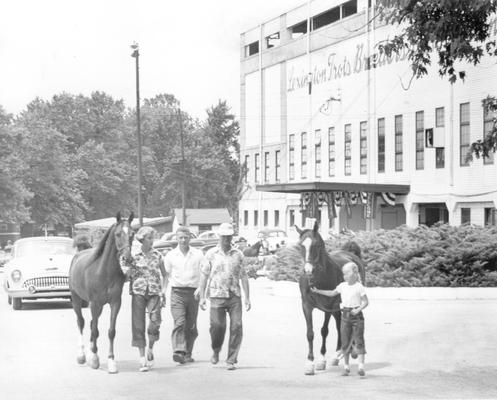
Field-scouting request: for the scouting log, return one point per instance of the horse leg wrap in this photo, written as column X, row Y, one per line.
column 309, row 368
column 111, row 366
column 95, row 362
column 321, row 364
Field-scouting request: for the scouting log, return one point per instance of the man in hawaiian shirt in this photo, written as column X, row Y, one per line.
column 221, row 274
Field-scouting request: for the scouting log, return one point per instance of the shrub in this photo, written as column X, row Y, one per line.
column 442, row 255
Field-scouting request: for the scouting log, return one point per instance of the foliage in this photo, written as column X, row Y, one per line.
column 452, row 31
column 438, row 256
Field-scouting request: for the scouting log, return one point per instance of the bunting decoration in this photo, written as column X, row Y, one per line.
column 388, row 198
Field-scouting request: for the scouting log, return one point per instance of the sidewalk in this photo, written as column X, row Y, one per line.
column 291, row 289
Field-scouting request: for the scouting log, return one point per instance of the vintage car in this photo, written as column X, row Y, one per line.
column 168, row 242
column 272, row 239
column 39, row 268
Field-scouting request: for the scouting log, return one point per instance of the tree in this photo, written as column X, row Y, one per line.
column 451, row 30
column 13, row 192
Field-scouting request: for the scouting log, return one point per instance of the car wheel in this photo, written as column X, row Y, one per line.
column 17, row 303
column 9, row 299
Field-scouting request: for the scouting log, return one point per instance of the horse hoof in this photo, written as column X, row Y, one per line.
column 309, row 368
column 81, row 359
column 111, row 366
column 321, row 365
column 95, row 362
column 335, row 362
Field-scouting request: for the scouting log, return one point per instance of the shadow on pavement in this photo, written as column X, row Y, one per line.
column 45, row 305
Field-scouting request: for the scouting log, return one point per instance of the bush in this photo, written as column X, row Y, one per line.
column 442, row 255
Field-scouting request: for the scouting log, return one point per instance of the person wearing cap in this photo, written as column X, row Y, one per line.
column 182, row 266
column 147, row 289
column 221, row 275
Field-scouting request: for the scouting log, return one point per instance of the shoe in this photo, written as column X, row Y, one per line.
column 215, row 358
column 346, row 372
column 189, row 359
column 179, row 358
column 144, row 367
column 230, row 366
column 150, row 358
column 361, row 372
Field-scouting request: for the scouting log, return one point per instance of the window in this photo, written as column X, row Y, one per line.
column 363, row 127
column 381, row 145
column 273, row 40
column 465, row 216
column 317, row 153
column 439, row 117
column 331, row 151
column 464, row 133
column 251, row 49
column 277, row 166
column 266, row 217
column 488, row 126
column 266, row 167
column 247, row 160
column 291, row 157
column 398, row 143
column 349, row 8
column 245, row 218
column 326, row 18
column 348, row 150
column 256, row 167
column 440, row 157
column 420, row 140
column 276, row 217
column 489, row 216
column 292, row 217
column 298, row 30
column 256, row 218
column 303, row 147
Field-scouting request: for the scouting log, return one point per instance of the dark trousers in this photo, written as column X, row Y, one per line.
column 352, row 332
column 219, row 308
column 184, row 309
column 139, row 304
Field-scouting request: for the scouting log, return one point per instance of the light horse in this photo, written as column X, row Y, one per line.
column 323, row 271
column 96, row 277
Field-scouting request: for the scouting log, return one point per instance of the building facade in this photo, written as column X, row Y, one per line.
column 332, row 128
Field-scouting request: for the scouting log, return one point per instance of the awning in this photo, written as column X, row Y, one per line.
column 333, row 187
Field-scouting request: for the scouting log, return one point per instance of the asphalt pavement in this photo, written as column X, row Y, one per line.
column 416, row 349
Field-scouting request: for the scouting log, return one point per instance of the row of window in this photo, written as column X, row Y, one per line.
column 265, row 218
column 326, row 18
column 489, row 216
column 267, row 164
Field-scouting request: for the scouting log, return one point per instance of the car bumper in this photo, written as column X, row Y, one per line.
column 39, row 294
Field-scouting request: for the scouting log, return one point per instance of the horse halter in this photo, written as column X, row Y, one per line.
column 122, row 248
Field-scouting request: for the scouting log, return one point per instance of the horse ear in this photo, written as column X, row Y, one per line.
column 118, row 216
column 299, row 231
column 316, row 227
column 131, row 216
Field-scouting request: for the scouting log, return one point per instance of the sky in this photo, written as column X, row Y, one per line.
column 187, row 48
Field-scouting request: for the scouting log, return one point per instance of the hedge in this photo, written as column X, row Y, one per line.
column 441, row 255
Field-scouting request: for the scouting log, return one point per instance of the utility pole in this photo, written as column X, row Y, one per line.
column 183, row 175
column 136, row 56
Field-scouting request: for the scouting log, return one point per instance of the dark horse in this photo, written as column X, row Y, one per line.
column 323, row 271
column 96, row 277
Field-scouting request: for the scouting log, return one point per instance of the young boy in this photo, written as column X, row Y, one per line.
column 354, row 300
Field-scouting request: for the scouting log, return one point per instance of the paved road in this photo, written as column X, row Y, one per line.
column 416, row 349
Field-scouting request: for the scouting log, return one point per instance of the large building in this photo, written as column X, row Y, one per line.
column 333, row 129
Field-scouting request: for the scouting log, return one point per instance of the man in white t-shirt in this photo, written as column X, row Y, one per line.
column 354, row 300
column 182, row 266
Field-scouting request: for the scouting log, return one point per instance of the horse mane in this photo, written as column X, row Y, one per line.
column 352, row 247
column 99, row 250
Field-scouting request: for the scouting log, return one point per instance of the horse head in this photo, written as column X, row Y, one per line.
column 313, row 248
column 123, row 235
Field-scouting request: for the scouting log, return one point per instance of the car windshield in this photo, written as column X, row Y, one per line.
column 42, row 248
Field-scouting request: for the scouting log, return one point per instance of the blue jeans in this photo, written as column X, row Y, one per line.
column 184, row 309
column 219, row 308
column 139, row 304
column 352, row 330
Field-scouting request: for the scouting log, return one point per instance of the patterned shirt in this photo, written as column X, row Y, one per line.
column 224, row 271
column 146, row 273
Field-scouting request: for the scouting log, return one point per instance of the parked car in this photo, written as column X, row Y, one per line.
column 39, row 268
column 168, row 242
column 209, row 237
column 272, row 239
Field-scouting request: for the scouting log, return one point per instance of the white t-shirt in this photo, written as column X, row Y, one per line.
column 351, row 294
column 184, row 271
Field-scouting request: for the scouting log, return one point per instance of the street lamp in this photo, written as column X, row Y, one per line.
column 136, row 56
